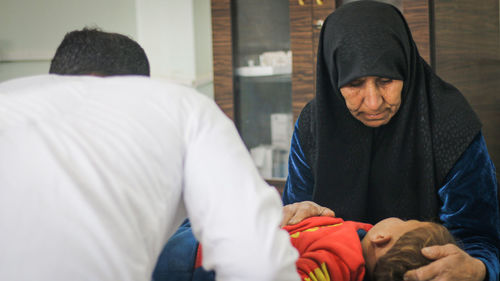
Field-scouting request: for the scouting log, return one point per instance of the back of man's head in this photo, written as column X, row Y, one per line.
column 94, row 52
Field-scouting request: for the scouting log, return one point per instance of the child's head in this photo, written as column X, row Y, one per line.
column 393, row 246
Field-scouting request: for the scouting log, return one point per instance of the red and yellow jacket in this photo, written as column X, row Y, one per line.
column 329, row 249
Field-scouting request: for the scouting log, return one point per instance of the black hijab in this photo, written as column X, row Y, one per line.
column 367, row 174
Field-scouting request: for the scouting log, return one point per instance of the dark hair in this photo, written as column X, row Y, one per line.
column 406, row 253
column 92, row 51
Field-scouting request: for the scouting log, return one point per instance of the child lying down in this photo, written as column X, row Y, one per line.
column 333, row 249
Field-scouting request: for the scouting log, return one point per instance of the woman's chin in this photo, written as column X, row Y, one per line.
column 374, row 122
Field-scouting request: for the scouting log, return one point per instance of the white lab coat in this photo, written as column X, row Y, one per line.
column 97, row 173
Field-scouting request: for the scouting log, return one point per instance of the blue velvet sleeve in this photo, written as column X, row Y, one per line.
column 470, row 206
column 300, row 182
column 176, row 262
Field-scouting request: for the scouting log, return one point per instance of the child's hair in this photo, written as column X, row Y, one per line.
column 406, row 253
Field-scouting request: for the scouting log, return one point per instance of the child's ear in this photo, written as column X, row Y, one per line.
column 381, row 239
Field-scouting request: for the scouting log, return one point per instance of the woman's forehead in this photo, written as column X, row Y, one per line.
column 361, row 47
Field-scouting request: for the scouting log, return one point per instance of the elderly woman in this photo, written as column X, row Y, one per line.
column 385, row 136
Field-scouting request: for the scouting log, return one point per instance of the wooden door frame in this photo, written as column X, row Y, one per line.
column 223, row 56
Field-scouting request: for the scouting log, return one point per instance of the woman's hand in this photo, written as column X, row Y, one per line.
column 450, row 263
column 296, row 212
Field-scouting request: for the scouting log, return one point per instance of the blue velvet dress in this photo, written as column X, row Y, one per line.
column 469, row 199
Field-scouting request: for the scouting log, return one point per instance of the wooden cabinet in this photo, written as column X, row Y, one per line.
column 306, row 18
column 223, row 55
column 466, row 48
column 253, row 78
column 459, row 39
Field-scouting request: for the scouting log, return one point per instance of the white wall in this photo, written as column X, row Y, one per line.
column 203, row 46
column 176, row 35
column 31, row 30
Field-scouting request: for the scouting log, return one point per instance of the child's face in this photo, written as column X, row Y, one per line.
column 382, row 237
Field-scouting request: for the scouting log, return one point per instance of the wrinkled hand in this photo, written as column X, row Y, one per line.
column 450, row 263
column 296, row 212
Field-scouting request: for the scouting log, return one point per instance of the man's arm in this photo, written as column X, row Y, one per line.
column 234, row 213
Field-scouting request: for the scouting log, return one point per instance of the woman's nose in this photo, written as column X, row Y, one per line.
column 373, row 98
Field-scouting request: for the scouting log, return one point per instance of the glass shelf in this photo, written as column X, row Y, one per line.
column 262, row 82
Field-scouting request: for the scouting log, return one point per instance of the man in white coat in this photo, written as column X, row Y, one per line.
column 97, row 173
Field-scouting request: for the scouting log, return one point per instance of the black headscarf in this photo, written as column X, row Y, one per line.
column 368, row 174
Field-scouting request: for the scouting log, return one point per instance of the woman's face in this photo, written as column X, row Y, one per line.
column 373, row 100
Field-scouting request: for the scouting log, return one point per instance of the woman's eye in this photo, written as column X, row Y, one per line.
column 355, row 83
column 385, row 81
